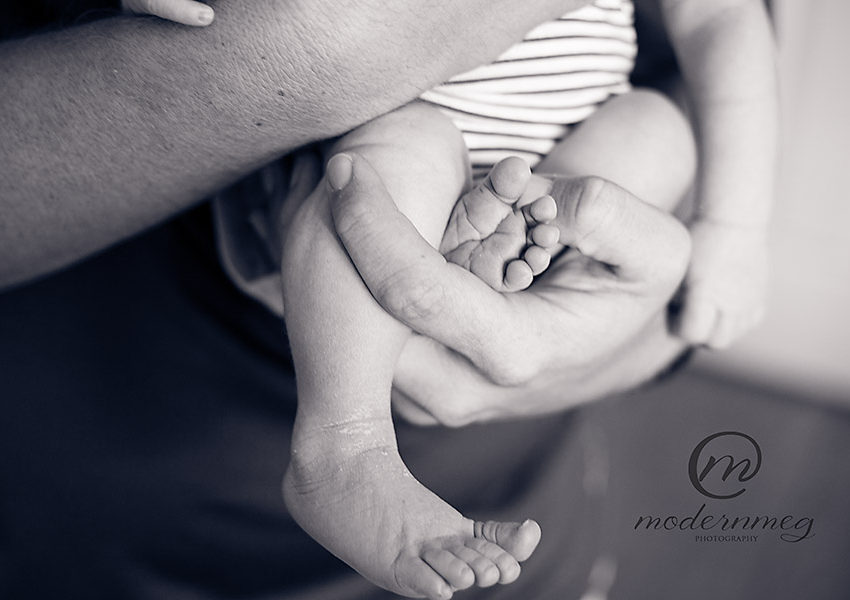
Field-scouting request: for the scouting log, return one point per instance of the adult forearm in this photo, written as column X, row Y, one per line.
column 114, row 126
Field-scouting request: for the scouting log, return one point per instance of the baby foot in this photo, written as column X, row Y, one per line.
column 495, row 238
column 353, row 494
column 724, row 289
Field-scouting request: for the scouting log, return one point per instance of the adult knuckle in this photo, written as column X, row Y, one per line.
column 452, row 416
column 594, row 205
column 592, row 208
column 350, row 217
column 445, row 404
column 510, row 368
column 592, row 187
column 411, row 295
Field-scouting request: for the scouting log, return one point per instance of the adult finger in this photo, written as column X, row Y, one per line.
column 407, row 276
column 405, row 407
column 186, row 12
column 446, row 386
column 607, row 223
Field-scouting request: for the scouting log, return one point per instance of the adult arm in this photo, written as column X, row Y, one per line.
column 111, row 127
column 593, row 324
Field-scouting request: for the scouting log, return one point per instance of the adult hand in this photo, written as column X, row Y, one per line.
column 593, row 324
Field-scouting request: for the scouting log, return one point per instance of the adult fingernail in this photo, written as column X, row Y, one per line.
column 205, row 16
column 339, row 171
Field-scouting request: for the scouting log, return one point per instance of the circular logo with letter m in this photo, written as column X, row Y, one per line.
column 722, row 462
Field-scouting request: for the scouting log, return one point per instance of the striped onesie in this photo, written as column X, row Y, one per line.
column 522, row 104
column 525, row 102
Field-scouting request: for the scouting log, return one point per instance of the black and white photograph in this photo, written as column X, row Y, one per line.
column 444, row 299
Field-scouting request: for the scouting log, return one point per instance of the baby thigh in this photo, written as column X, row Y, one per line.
column 639, row 140
column 422, row 160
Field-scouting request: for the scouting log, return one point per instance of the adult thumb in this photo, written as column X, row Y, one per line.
column 405, row 274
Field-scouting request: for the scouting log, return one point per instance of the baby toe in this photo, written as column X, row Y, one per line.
column 508, row 179
column 542, row 210
column 519, row 539
column 414, row 574
column 509, row 568
column 486, row 572
column 537, row 258
column 453, row 569
column 545, row 236
column 518, row 276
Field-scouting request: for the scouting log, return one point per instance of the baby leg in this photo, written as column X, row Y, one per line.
column 641, row 141
column 346, row 484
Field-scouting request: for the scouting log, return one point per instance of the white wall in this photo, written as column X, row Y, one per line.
column 804, row 342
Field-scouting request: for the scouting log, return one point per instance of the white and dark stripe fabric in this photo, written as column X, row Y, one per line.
column 525, row 102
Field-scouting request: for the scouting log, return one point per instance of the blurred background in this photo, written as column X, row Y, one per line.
column 786, row 384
